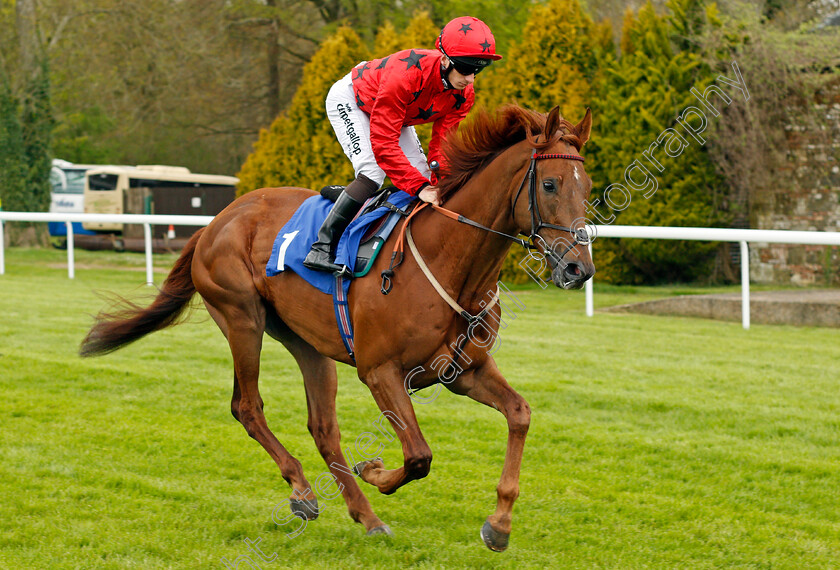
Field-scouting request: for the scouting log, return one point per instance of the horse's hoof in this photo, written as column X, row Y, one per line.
column 495, row 541
column 384, row 529
column 306, row 509
column 359, row 467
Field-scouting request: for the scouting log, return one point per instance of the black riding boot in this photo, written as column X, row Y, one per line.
column 322, row 255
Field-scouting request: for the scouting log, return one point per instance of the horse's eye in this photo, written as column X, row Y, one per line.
column 549, row 185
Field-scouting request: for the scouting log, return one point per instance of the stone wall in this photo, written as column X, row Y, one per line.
column 807, row 198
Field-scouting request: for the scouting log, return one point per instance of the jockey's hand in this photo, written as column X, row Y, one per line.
column 430, row 194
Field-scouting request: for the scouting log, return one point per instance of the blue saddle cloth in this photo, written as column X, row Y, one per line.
column 296, row 238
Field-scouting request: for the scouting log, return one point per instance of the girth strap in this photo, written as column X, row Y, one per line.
column 342, row 316
column 441, row 291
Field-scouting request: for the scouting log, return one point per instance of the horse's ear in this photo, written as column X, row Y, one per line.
column 552, row 123
column 584, row 127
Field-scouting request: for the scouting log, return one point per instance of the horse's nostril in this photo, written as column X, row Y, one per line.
column 573, row 269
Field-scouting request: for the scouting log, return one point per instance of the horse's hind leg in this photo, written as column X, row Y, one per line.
column 244, row 332
column 321, row 383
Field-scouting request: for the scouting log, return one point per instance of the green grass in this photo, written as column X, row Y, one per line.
column 656, row 442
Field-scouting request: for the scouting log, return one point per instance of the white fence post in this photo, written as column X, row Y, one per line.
column 745, row 285
column 590, row 293
column 147, row 237
column 71, row 260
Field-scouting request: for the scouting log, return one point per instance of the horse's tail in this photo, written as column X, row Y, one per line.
column 129, row 322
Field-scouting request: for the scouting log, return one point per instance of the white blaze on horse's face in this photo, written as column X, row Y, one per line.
column 577, row 176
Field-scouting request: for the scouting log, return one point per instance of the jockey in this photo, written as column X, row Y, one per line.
column 374, row 108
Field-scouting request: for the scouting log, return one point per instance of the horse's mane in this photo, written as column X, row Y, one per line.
column 475, row 144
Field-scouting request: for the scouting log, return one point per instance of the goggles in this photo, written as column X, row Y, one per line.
column 469, row 65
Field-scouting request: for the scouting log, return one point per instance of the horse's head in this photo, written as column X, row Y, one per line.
column 557, row 187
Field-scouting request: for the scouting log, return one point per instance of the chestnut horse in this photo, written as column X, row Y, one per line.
column 495, row 178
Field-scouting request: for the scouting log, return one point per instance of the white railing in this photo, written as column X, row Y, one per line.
column 744, row 237
column 146, row 220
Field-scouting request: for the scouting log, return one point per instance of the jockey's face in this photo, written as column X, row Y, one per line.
column 456, row 79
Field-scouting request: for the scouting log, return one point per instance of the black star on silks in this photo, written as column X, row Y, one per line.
column 485, row 45
column 359, row 102
column 383, row 63
column 416, row 94
column 465, row 28
column 361, row 70
column 413, row 60
column 459, row 99
column 425, row 114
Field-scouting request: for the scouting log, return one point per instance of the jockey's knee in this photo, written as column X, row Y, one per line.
column 362, row 188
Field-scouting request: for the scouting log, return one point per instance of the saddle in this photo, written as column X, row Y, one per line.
column 377, row 232
column 360, row 243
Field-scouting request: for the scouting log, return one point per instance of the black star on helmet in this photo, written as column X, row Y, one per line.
column 383, row 63
column 459, row 99
column 485, row 45
column 416, row 94
column 361, row 70
column 465, row 28
column 413, row 60
column 425, row 114
column 359, row 102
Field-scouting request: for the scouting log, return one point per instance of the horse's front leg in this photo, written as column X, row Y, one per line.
column 386, row 385
column 487, row 385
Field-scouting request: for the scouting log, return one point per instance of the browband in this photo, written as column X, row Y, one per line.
column 536, row 156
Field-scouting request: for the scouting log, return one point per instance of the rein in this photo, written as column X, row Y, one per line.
column 581, row 237
column 533, row 207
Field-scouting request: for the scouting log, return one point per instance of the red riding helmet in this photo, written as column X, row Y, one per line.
column 468, row 43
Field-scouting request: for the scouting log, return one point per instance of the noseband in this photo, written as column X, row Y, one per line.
column 580, row 235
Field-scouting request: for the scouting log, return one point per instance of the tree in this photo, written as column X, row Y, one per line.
column 12, row 163
column 387, row 40
column 554, row 64
column 37, row 125
column 189, row 82
column 641, row 96
column 290, row 34
column 420, row 32
column 36, row 121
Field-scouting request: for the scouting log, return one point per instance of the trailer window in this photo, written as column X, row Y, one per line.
column 103, row 181
column 157, row 183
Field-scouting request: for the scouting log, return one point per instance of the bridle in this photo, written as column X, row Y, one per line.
column 581, row 237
